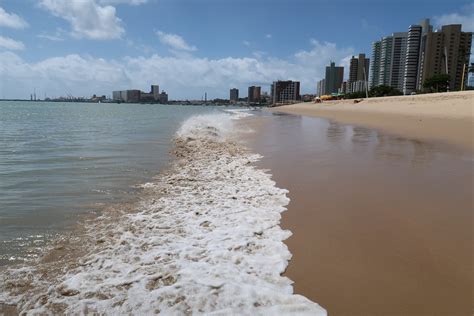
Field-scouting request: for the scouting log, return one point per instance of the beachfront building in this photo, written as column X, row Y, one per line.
column 285, row 91
column 375, row 64
column 254, row 94
column 358, row 74
column 446, row 52
column 334, row 78
column 234, row 95
column 321, row 87
column 431, row 53
column 416, row 43
column 388, row 55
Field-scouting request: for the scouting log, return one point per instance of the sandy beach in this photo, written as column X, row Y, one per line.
column 381, row 206
column 445, row 117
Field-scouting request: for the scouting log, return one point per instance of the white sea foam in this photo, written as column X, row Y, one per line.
column 206, row 240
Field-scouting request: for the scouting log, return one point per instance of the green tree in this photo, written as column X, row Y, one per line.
column 437, row 83
column 384, row 91
column 355, row 95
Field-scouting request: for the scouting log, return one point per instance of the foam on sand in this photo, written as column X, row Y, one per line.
column 205, row 240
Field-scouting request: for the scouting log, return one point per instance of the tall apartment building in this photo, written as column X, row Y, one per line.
column 254, row 94
column 234, row 95
column 399, row 50
column 334, row 78
column 285, row 91
column 358, row 74
column 429, row 53
column 446, row 51
column 321, row 87
column 416, row 43
column 374, row 73
column 386, row 47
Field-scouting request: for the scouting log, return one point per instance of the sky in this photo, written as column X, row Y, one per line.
column 189, row 47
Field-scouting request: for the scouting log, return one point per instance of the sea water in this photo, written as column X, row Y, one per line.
column 61, row 160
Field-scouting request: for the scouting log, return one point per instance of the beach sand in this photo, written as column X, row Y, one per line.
column 382, row 224
column 446, row 117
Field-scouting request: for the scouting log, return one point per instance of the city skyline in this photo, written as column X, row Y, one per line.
column 44, row 47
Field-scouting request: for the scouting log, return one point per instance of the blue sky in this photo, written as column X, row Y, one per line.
column 188, row 47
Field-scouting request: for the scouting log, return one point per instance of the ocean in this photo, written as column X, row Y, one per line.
column 59, row 161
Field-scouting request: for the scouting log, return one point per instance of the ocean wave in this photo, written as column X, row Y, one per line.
column 205, row 239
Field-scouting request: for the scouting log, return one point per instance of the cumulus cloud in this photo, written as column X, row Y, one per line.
column 181, row 76
column 88, row 19
column 466, row 18
column 9, row 43
column 175, row 42
column 11, row 20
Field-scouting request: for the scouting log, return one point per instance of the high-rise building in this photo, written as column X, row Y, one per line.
column 285, row 91
column 321, row 87
column 412, row 59
column 431, row 53
column 358, row 74
column 416, row 44
column 375, row 64
column 399, row 50
column 388, row 56
column 234, row 95
column 334, row 78
column 446, row 52
column 385, row 61
column 254, row 94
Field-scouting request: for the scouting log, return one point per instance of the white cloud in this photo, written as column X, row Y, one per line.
column 268, row 36
column 184, row 76
column 87, row 18
column 175, row 42
column 466, row 18
column 130, row 2
column 11, row 20
column 57, row 36
column 10, row 43
column 246, row 43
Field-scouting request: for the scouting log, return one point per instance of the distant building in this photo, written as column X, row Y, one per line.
column 358, row 74
column 334, row 78
column 285, row 91
column 163, row 98
column 136, row 96
column 234, row 95
column 321, row 87
column 155, row 91
column 254, row 94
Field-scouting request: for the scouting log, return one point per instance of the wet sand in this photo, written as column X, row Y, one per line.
column 445, row 117
column 382, row 225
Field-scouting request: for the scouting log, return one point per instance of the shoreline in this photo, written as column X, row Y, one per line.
column 415, row 117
